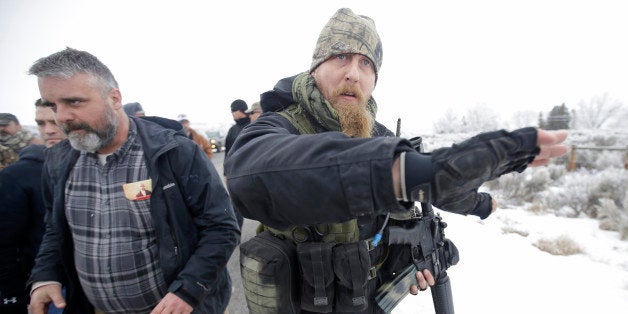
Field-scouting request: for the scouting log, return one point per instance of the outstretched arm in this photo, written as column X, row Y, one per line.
column 452, row 176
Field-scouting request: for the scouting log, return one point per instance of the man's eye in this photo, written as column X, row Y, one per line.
column 39, row 123
column 341, row 57
column 366, row 62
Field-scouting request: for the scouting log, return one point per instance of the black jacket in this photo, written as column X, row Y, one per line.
column 281, row 178
column 234, row 130
column 192, row 215
column 347, row 177
column 21, row 219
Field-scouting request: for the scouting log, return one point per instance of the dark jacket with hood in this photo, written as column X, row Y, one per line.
column 283, row 178
column 21, row 221
column 192, row 215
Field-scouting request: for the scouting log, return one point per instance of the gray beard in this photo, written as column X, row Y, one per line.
column 89, row 142
column 93, row 140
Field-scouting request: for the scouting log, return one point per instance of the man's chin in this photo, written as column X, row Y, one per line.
column 50, row 143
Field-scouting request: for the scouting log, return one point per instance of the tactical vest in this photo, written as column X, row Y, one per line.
column 320, row 268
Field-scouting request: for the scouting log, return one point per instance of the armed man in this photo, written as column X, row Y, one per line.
column 326, row 181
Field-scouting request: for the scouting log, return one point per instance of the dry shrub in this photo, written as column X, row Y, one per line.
column 510, row 229
column 537, row 207
column 609, row 215
column 563, row 245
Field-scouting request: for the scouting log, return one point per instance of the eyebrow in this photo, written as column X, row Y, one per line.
column 71, row 99
column 46, row 103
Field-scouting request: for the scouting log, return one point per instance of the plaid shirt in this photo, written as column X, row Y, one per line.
column 116, row 251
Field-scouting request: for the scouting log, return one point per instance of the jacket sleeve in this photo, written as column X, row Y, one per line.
column 48, row 263
column 215, row 230
column 284, row 179
column 14, row 208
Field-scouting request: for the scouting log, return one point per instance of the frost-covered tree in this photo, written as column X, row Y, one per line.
column 599, row 112
column 448, row 123
column 479, row 118
column 524, row 118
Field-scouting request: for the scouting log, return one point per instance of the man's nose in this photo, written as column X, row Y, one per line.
column 353, row 70
column 63, row 114
column 50, row 128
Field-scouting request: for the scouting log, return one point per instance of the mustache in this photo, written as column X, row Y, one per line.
column 346, row 89
column 69, row 127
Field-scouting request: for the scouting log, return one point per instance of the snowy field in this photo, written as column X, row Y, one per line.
column 503, row 272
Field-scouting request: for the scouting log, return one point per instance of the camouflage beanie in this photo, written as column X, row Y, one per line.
column 347, row 32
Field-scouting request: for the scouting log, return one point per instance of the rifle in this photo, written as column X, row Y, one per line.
column 429, row 250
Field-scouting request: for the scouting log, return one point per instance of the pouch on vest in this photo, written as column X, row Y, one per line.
column 269, row 274
column 351, row 266
column 317, row 288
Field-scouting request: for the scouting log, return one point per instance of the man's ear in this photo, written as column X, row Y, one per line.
column 116, row 98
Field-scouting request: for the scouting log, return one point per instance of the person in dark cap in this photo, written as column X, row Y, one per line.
column 241, row 118
column 328, row 182
column 13, row 139
column 134, row 109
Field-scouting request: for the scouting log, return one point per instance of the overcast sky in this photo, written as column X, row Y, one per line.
column 195, row 57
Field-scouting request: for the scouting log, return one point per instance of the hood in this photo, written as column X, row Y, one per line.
column 33, row 152
column 280, row 97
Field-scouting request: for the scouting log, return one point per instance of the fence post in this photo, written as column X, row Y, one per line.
column 626, row 159
column 571, row 166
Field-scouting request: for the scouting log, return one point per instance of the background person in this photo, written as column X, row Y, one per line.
column 22, row 214
column 134, row 109
column 13, row 139
column 255, row 111
column 201, row 141
column 241, row 118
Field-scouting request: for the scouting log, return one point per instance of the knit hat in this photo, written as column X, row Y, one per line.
column 239, row 105
column 347, row 32
column 6, row 118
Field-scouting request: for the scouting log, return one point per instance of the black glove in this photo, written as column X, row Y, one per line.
column 456, row 173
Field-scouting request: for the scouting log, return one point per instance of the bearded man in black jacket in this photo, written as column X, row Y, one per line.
column 317, row 170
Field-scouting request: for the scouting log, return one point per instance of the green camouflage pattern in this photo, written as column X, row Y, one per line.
column 7, row 156
column 18, row 140
column 347, row 32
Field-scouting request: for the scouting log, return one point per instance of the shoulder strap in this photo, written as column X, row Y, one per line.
column 296, row 115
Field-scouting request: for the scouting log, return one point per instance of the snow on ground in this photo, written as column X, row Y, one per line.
column 503, row 272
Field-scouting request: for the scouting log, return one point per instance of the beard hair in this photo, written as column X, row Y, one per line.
column 94, row 138
column 355, row 119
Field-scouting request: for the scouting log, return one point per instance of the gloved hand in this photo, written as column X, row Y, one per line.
column 456, row 173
